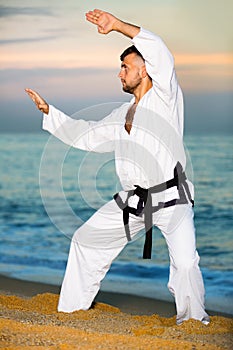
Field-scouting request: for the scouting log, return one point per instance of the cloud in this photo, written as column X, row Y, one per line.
column 26, row 40
column 222, row 58
column 6, row 11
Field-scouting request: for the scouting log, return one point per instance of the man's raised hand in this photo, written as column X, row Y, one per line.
column 40, row 103
column 104, row 21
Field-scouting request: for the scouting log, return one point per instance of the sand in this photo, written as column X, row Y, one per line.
column 29, row 319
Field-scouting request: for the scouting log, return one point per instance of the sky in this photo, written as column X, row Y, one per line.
column 50, row 47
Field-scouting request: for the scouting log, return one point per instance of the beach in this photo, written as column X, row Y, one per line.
column 29, row 318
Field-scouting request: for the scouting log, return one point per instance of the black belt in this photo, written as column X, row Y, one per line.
column 145, row 204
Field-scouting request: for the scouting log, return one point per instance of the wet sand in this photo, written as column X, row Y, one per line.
column 29, row 318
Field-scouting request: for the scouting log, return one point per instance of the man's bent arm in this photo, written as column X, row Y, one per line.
column 159, row 61
column 127, row 29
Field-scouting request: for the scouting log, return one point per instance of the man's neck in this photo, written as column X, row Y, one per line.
column 138, row 94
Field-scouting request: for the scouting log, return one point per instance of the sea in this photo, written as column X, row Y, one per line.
column 47, row 190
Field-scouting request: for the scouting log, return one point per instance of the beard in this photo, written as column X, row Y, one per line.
column 130, row 88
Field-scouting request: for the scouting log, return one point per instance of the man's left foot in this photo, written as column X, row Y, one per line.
column 206, row 320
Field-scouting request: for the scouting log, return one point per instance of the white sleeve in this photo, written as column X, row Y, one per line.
column 85, row 135
column 159, row 62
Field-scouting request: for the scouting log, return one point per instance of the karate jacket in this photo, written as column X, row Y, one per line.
column 147, row 156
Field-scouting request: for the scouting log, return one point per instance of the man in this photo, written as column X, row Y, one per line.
column 146, row 136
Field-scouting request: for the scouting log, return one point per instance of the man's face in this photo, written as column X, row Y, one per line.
column 130, row 73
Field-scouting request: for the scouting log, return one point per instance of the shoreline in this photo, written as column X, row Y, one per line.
column 29, row 318
column 127, row 303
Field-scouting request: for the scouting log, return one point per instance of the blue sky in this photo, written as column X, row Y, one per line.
column 50, row 47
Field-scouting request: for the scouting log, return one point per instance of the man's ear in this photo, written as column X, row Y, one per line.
column 143, row 71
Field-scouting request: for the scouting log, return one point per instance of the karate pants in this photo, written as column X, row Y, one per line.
column 98, row 242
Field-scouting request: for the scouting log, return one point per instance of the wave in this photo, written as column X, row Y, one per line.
column 32, row 261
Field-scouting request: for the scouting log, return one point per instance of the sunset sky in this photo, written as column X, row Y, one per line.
column 50, row 47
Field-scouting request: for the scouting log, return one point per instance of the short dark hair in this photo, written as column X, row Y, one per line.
column 129, row 50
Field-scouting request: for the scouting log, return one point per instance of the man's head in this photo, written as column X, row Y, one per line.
column 128, row 51
column 133, row 70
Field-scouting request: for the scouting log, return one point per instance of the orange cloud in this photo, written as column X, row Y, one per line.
column 204, row 59
column 70, row 59
column 213, row 71
column 49, row 59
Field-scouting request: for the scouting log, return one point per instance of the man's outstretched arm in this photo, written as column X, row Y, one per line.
column 107, row 23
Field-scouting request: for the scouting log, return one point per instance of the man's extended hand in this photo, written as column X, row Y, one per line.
column 103, row 20
column 40, row 103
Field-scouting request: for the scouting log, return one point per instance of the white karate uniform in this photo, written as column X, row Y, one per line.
column 145, row 157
